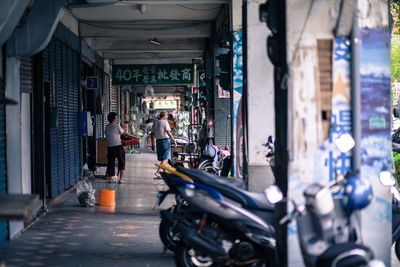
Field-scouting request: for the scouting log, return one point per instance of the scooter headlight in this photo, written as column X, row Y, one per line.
column 320, row 198
column 190, row 190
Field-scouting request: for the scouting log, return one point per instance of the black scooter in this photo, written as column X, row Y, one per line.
column 224, row 235
column 230, row 188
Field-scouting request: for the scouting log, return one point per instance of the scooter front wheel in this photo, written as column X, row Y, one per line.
column 397, row 249
column 188, row 257
column 207, row 165
column 167, row 236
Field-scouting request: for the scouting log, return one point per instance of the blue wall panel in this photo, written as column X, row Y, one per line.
column 64, row 94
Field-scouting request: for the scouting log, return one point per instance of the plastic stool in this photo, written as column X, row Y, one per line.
column 107, row 197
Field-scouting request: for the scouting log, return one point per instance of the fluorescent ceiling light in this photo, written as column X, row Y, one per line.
column 102, row 1
column 154, row 41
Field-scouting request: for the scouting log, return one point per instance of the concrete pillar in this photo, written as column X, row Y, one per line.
column 18, row 128
column 26, row 167
column 308, row 23
column 375, row 144
column 260, row 98
column 237, row 85
column 13, row 128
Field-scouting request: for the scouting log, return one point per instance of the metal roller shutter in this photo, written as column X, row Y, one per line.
column 3, row 164
column 54, row 172
column 106, row 98
column 26, row 75
column 75, row 118
column 114, row 99
column 64, row 139
column 73, row 111
column 59, row 73
column 99, row 125
column 72, row 105
column 100, row 117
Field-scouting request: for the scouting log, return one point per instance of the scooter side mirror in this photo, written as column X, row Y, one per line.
column 273, row 194
column 395, row 192
column 386, row 178
column 345, row 142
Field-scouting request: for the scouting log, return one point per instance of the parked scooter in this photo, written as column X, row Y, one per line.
column 328, row 228
column 226, row 234
column 215, row 159
column 171, row 216
column 229, row 187
column 387, row 179
column 328, row 224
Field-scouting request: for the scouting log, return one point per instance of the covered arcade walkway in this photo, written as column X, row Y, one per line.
column 73, row 236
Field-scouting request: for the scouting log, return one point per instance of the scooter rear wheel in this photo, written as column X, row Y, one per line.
column 188, row 257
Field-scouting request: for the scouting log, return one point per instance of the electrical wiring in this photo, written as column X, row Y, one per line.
column 301, row 33
column 285, row 77
column 338, row 17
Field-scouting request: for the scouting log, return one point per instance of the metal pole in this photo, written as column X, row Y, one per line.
column 44, row 172
column 356, row 95
column 227, row 127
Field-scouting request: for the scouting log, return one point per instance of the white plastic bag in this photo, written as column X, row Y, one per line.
column 85, row 193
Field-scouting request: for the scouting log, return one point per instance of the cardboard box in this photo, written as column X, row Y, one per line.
column 101, row 150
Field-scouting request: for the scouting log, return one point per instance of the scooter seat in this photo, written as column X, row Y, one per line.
column 231, row 188
column 260, row 200
column 209, row 178
column 333, row 252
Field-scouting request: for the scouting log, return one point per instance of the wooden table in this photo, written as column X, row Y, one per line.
column 19, row 206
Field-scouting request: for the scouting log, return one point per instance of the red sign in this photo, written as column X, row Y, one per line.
column 194, row 117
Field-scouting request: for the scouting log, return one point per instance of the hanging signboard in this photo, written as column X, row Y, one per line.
column 223, row 93
column 92, row 82
column 202, row 78
column 152, row 74
column 163, row 104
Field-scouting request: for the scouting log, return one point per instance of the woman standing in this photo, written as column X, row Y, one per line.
column 162, row 132
column 115, row 148
column 172, row 123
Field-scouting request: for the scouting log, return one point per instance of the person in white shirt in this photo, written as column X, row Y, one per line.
column 114, row 148
column 162, row 132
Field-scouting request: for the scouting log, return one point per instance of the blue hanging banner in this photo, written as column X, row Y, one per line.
column 237, row 104
column 376, row 142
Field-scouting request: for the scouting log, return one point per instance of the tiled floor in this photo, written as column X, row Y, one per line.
column 73, row 236
column 125, row 236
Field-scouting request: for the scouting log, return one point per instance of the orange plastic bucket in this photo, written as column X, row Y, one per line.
column 106, row 209
column 107, row 197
